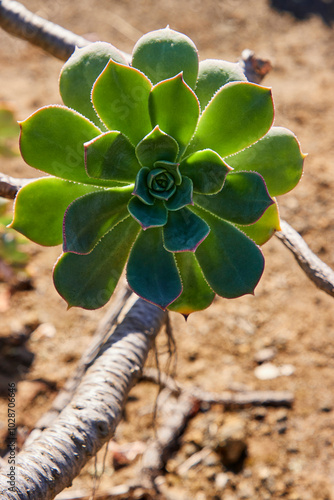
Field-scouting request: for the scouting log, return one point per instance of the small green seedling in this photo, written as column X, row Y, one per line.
column 169, row 167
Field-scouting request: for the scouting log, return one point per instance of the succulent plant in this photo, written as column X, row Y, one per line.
column 168, row 167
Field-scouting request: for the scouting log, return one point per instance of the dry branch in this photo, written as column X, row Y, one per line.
column 20, row 22
column 316, row 270
column 106, row 328
column 51, row 463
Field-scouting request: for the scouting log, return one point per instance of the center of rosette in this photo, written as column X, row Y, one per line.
column 161, row 183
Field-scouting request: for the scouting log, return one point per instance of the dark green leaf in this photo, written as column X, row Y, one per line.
column 151, row 270
column 88, row 281
column 112, row 157
column 231, row 263
column 40, row 207
column 148, row 215
column 196, row 294
column 141, row 189
column 262, row 230
column 183, row 195
column 90, row 217
column 206, row 169
column 172, row 168
column 184, row 231
column 243, row 199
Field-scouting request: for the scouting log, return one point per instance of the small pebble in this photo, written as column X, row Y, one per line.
column 221, row 480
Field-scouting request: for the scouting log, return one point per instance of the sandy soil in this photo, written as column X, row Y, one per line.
column 290, row 452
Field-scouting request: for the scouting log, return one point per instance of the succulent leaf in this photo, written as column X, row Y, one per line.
column 40, row 205
column 80, row 72
column 151, row 270
column 262, row 230
column 243, row 199
column 148, row 215
column 206, row 169
column 184, row 231
column 141, row 188
column 164, row 53
column 88, row 281
column 196, row 294
column 90, row 217
column 277, row 157
column 239, row 114
column 120, row 96
column 111, row 156
column 175, row 108
column 231, row 263
column 157, row 145
column 52, row 140
column 172, row 168
column 183, row 195
column 212, row 75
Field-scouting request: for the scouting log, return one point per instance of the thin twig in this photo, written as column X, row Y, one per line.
column 226, row 398
column 316, row 270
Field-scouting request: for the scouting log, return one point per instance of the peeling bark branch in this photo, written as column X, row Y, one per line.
column 102, row 334
column 316, row 270
column 51, row 463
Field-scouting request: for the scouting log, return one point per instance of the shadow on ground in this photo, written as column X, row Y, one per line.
column 303, row 9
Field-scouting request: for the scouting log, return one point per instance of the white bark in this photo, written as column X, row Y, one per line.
column 51, row 463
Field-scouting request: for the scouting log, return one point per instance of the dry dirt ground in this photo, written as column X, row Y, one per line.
column 290, row 452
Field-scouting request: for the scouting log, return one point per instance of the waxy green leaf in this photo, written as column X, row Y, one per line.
column 231, row 263
column 277, row 157
column 40, row 206
column 206, row 169
column 88, row 281
column 196, row 294
column 238, row 115
column 184, row 231
column 90, row 217
column 172, row 168
column 262, row 230
column 164, row 53
column 120, row 97
column 183, row 195
column 141, row 188
column 52, row 140
column 243, row 199
column 151, row 270
column 148, row 215
column 80, row 72
column 111, row 156
column 175, row 108
column 212, row 75
column 157, row 145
